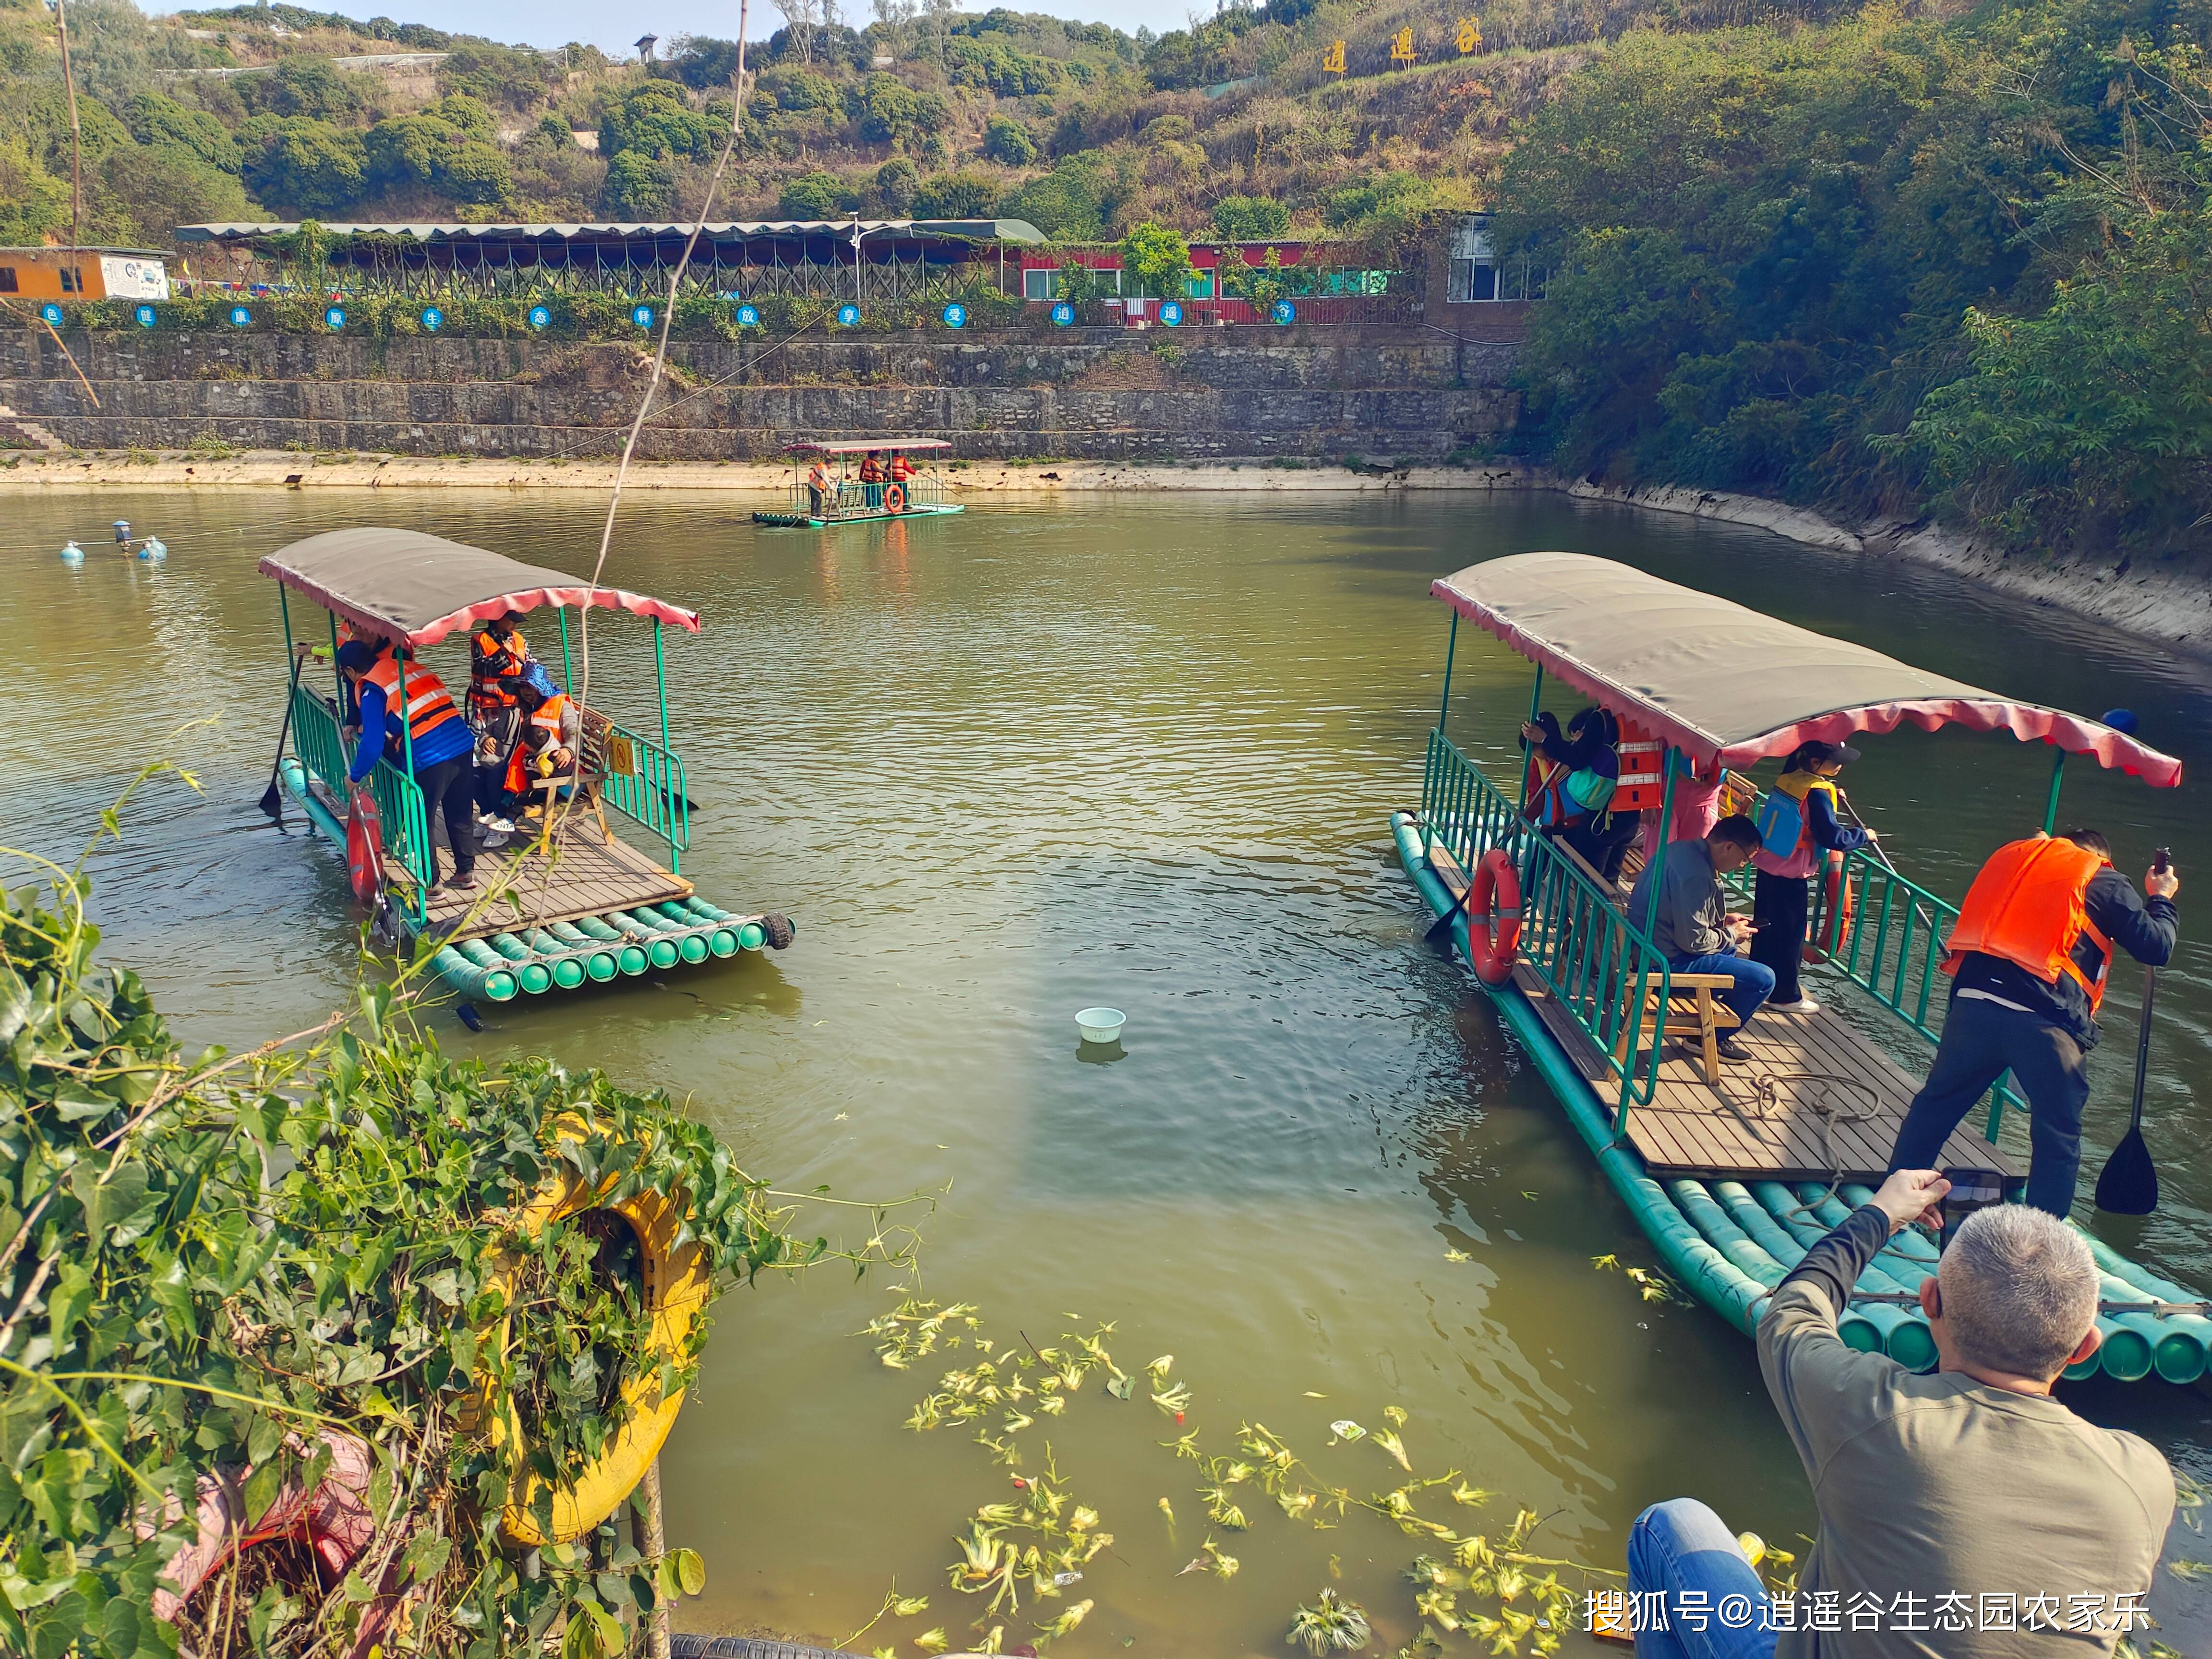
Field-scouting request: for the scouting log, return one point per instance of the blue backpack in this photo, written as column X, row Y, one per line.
column 1781, row 823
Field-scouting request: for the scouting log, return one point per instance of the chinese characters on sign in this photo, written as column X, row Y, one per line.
column 1469, row 37
column 1623, row 1613
column 1401, row 45
column 1332, row 61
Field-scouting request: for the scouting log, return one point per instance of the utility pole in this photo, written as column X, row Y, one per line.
column 77, row 142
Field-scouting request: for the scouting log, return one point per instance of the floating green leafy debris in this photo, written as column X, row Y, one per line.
column 1332, row 1625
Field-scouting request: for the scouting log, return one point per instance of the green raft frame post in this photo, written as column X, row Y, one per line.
column 568, row 668
column 1443, row 710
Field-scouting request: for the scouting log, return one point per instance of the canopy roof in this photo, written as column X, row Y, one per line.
column 409, row 587
column 723, row 230
column 861, row 445
column 1725, row 683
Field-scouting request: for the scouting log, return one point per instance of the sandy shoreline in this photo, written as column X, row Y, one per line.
column 2172, row 606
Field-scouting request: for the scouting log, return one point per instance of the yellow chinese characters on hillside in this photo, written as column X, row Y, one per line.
column 1332, row 61
column 1401, row 45
column 1469, row 38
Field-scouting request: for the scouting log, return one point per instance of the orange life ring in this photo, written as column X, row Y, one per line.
column 364, row 846
column 1838, row 909
column 894, row 498
column 1493, row 917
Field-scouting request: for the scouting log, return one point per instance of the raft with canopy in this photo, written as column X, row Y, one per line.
column 849, row 499
column 1733, row 1173
column 569, row 902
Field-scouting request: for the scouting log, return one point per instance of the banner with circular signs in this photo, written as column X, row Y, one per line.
column 1171, row 315
column 642, row 315
column 1286, row 311
column 848, row 316
column 239, row 317
column 51, row 314
column 748, row 316
column 1063, row 313
column 433, row 319
column 955, row 316
column 335, row 317
column 145, row 316
column 541, row 316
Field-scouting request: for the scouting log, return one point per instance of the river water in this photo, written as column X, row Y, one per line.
column 1134, row 751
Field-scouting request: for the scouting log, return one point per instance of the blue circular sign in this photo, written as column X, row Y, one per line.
column 239, row 317
column 145, row 316
column 1171, row 315
column 748, row 316
column 335, row 317
column 433, row 319
column 1286, row 311
column 955, row 316
column 1063, row 313
column 848, row 316
column 540, row 316
column 642, row 315
column 51, row 314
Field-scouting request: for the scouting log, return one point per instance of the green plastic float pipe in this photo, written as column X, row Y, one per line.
column 295, row 782
column 533, row 976
column 599, row 962
column 568, row 967
column 1704, row 1270
column 495, row 969
column 659, row 947
column 722, row 941
column 2178, row 1341
column 1906, row 1339
column 629, row 957
column 1767, row 1255
column 2131, row 1341
column 729, row 936
column 493, row 984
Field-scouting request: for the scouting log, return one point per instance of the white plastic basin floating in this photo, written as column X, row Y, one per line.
column 1101, row 1024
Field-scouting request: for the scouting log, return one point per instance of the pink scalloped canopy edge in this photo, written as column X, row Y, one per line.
column 2029, row 722
column 524, row 599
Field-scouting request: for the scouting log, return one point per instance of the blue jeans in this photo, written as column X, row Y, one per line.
column 1754, row 981
column 1682, row 1550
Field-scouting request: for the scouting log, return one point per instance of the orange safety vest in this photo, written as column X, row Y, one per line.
column 429, row 705
column 871, row 471
column 496, row 659
column 547, row 719
column 2029, row 905
column 901, row 469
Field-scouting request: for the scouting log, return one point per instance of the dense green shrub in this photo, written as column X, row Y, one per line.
column 1008, row 142
column 1251, row 218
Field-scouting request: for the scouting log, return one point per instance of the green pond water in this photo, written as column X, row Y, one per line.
column 1138, row 752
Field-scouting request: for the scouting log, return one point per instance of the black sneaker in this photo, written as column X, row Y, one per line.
column 1732, row 1046
column 461, row 881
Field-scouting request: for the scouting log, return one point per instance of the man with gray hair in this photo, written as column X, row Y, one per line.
column 1965, row 1514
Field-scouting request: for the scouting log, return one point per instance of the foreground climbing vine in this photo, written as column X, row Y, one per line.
column 279, row 1343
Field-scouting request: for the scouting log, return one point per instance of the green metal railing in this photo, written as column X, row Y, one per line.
column 398, row 801
column 1598, row 967
column 849, row 495
column 651, row 792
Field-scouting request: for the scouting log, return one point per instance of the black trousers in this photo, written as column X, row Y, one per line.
column 1777, row 906
column 1981, row 1041
column 449, row 788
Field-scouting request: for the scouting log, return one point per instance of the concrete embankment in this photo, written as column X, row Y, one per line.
column 1411, row 393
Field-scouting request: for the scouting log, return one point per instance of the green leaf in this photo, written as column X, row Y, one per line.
column 263, row 1435
column 691, row 1571
column 262, row 1487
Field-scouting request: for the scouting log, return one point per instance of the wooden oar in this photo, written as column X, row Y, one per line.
column 2128, row 1185
column 272, row 798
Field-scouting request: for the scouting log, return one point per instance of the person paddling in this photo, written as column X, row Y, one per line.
column 422, row 721
column 1798, row 829
column 2029, row 959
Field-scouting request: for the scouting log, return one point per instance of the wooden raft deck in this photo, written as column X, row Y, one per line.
column 581, row 875
column 1811, row 1129
column 1691, row 1128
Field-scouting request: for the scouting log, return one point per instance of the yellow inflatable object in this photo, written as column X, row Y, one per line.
column 676, row 1286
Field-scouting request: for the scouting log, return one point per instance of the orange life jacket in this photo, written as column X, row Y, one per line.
column 495, row 660
column 2029, row 905
column 901, row 470
column 871, row 471
column 547, row 719
column 429, row 705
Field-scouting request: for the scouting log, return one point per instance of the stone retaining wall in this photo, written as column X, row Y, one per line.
column 1411, row 393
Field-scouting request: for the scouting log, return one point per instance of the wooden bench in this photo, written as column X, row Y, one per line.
column 596, row 747
column 1691, row 1011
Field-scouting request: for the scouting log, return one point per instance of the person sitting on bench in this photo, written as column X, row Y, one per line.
column 1693, row 928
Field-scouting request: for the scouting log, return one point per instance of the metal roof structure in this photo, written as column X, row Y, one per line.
column 405, row 585
column 973, row 230
column 1724, row 682
column 865, row 446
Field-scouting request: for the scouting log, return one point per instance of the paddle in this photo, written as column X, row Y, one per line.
column 1440, row 930
column 2128, row 1185
column 272, row 798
